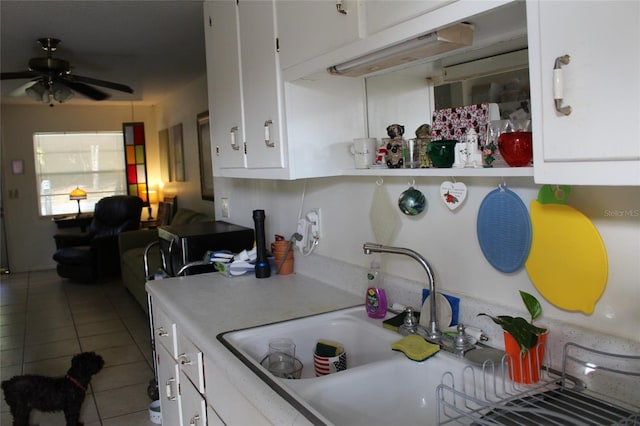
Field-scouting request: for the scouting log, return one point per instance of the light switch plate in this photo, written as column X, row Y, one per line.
column 225, row 207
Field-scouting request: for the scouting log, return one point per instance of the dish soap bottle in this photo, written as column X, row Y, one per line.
column 376, row 298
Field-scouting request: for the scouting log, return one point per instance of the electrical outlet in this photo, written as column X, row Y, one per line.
column 225, row 207
column 309, row 228
column 313, row 216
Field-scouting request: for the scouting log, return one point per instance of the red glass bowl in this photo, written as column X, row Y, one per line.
column 516, row 148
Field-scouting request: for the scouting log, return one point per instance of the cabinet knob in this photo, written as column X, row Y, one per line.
column 339, row 7
column 267, row 134
column 558, row 84
column 161, row 332
column 195, row 420
column 184, row 360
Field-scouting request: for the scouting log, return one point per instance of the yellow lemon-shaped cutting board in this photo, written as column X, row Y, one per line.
column 568, row 261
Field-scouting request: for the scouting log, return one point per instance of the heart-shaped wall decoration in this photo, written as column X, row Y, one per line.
column 453, row 194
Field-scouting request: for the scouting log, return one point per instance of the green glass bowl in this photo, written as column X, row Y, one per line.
column 442, row 152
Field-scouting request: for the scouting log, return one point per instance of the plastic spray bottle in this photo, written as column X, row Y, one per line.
column 376, row 298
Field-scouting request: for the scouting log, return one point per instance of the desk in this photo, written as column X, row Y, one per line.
column 148, row 224
column 74, row 221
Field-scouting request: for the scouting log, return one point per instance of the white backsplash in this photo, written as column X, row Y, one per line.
column 447, row 239
column 409, row 293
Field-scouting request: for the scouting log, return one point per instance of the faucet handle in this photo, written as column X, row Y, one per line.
column 410, row 322
column 462, row 341
column 410, row 319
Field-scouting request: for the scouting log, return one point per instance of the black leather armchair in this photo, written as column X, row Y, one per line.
column 87, row 257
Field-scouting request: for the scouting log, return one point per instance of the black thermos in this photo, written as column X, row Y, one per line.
column 263, row 270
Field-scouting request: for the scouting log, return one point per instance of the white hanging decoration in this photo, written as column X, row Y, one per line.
column 453, row 194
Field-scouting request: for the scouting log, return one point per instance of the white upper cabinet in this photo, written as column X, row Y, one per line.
column 277, row 113
column 380, row 15
column 223, row 79
column 310, row 28
column 262, row 127
column 261, row 88
column 598, row 143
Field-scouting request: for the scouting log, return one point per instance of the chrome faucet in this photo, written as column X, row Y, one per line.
column 433, row 333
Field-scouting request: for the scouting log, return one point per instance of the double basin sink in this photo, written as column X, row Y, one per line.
column 380, row 385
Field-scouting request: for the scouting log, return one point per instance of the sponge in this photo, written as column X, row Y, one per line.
column 415, row 347
column 327, row 348
column 394, row 323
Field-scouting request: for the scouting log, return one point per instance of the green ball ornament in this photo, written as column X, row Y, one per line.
column 412, row 202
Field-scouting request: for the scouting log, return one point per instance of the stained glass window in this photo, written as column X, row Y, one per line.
column 136, row 160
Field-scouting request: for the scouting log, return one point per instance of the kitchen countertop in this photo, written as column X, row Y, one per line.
column 206, row 305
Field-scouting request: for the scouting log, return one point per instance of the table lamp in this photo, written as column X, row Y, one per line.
column 78, row 194
column 153, row 199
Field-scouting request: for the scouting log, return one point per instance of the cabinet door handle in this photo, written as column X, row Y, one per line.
column 339, row 7
column 234, row 143
column 170, row 395
column 267, row 134
column 161, row 332
column 194, row 420
column 184, row 360
column 558, row 84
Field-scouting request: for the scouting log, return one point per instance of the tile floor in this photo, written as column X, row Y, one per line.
column 45, row 320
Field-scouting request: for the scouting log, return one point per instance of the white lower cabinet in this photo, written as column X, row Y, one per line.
column 168, row 387
column 193, row 404
column 188, row 397
column 180, row 372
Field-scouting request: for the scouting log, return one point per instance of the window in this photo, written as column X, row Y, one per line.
column 93, row 162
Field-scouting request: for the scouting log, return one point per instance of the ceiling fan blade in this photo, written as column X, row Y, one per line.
column 103, row 83
column 18, row 74
column 86, row 90
column 22, row 89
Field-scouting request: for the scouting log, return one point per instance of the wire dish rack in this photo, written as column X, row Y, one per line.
column 593, row 388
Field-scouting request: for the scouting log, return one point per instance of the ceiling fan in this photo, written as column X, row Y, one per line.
column 52, row 78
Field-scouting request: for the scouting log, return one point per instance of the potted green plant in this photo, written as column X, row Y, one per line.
column 521, row 336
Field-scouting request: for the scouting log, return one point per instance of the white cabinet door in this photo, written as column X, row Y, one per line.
column 168, row 388
column 598, row 142
column 223, row 78
column 193, row 405
column 165, row 331
column 310, row 28
column 261, row 87
column 380, row 15
column 191, row 361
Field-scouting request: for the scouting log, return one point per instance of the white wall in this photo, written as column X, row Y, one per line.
column 448, row 239
column 183, row 107
column 29, row 236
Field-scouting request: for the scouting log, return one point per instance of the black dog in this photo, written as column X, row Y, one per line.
column 24, row 393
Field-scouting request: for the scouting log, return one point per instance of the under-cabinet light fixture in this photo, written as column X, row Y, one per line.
column 495, row 64
column 424, row 46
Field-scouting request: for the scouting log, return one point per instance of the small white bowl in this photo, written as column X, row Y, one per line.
column 154, row 412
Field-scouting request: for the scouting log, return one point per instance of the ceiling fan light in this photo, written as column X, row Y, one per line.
column 61, row 93
column 38, row 92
